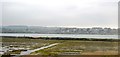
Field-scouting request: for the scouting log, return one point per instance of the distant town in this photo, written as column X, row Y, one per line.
column 57, row 30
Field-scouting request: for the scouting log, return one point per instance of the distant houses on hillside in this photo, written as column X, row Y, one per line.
column 57, row 30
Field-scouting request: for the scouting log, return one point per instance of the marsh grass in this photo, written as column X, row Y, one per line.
column 84, row 47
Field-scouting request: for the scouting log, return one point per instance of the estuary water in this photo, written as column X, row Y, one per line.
column 62, row 35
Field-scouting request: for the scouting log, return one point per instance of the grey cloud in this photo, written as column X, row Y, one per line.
column 59, row 13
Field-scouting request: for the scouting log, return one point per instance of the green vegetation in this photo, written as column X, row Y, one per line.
column 28, row 43
column 78, row 47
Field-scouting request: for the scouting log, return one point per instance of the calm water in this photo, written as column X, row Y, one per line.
column 62, row 35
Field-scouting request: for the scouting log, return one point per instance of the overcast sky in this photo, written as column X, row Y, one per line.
column 68, row 13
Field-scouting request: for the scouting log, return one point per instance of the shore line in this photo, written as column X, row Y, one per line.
column 61, row 38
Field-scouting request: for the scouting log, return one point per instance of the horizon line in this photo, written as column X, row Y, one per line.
column 65, row 26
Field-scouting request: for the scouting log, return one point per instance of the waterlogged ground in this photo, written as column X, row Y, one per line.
column 65, row 47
